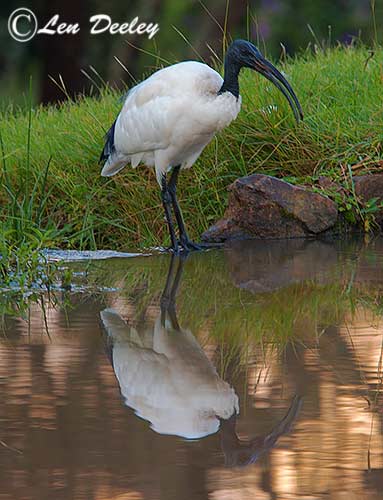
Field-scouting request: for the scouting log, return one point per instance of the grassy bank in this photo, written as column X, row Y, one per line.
column 50, row 176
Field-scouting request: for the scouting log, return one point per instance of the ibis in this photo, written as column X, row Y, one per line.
column 167, row 120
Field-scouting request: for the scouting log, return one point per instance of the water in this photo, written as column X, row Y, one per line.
column 132, row 393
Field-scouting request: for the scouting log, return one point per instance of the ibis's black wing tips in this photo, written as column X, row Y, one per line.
column 109, row 147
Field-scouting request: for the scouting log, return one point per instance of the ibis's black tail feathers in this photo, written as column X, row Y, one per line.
column 109, row 144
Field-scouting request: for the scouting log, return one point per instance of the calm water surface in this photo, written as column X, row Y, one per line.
column 254, row 371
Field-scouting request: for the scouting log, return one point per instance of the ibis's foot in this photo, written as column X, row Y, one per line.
column 206, row 245
column 185, row 246
column 190, row 246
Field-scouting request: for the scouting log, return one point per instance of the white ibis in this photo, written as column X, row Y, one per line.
column 167, row 120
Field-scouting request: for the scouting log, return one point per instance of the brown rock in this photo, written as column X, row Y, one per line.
column 326, row 183
column 370, row 186
column 261, row 206
column 331, row 186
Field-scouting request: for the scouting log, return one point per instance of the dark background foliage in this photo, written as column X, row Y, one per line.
column 279, row 27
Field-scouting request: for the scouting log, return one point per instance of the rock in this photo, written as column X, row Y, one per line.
column 370, row 186
column 326, row 183
column 331, row 186
column 261, row 206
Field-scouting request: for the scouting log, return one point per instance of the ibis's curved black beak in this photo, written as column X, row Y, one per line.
column 265, row 68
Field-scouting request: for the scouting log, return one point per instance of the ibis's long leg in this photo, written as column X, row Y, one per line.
column 177, row 211
column 167, row 204
column 184, row 238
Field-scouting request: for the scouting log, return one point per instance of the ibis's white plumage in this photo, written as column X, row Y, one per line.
column 169, row 118
column 167, row 379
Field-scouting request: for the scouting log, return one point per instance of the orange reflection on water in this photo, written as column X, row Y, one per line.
column 66, row 433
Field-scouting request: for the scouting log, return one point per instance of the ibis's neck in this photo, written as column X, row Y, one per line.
column 230, row 78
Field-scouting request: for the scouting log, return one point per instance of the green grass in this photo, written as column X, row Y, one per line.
column 50, row 175
column 26, row 276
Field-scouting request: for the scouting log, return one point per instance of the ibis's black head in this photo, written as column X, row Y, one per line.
column 243, row 54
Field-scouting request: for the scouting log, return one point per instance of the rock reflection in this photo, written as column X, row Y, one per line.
column 261, row 268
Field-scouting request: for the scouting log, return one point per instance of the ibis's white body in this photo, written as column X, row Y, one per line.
column 167, row 378
column 169, row 118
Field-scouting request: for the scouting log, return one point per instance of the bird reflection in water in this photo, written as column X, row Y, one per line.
column 244, row 452
column 170, row 382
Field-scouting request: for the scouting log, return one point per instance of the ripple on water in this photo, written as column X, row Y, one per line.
column 78, row 255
